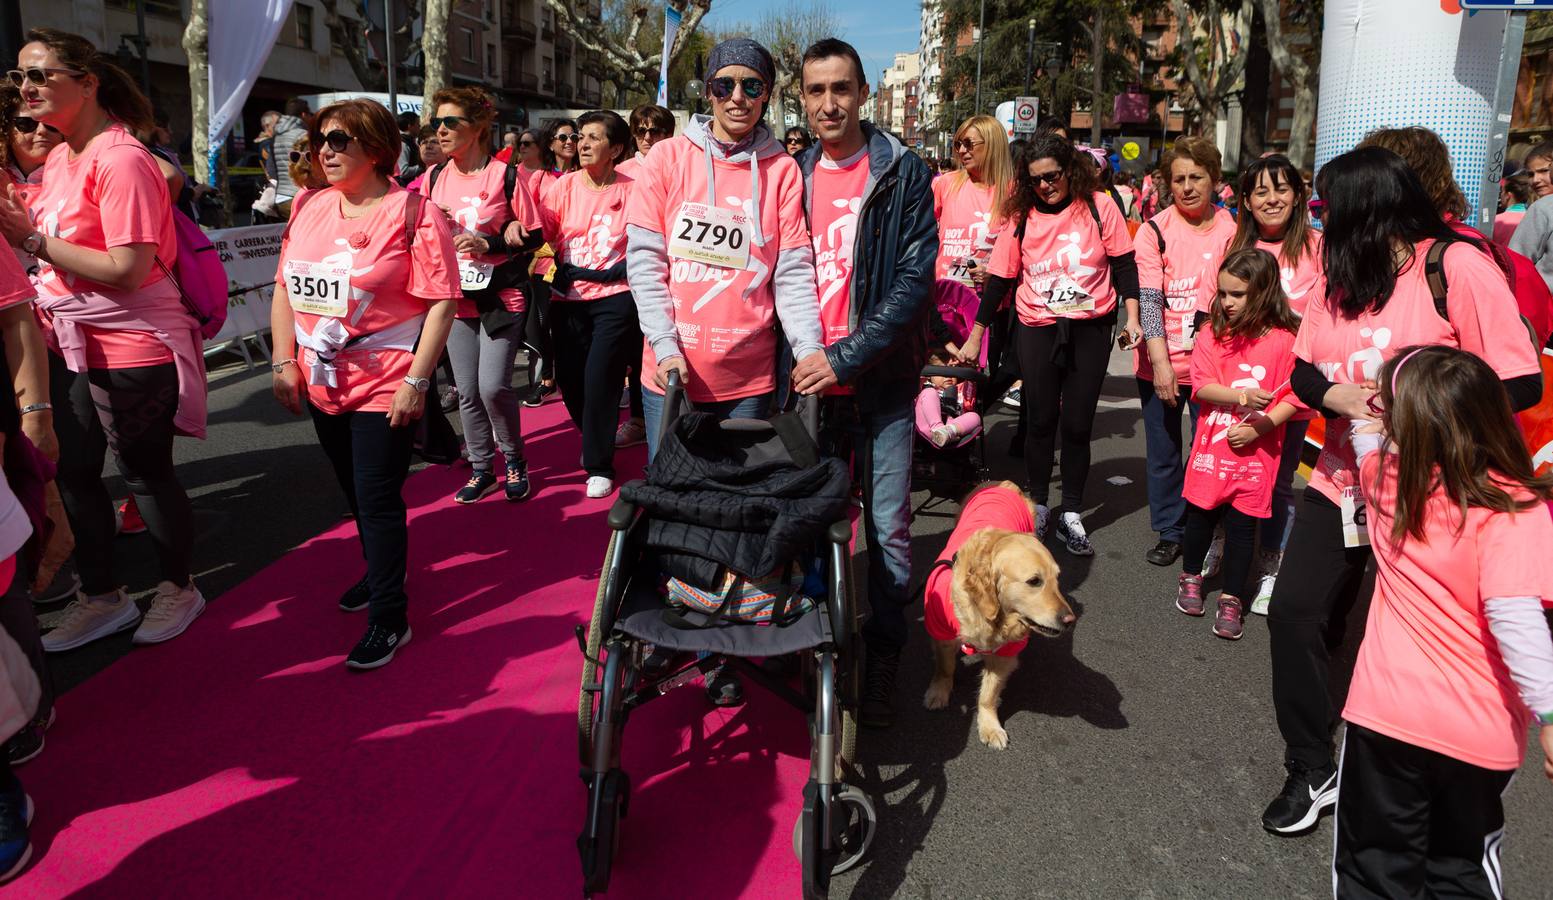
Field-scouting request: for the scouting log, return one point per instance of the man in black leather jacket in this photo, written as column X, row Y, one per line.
column 870, row 207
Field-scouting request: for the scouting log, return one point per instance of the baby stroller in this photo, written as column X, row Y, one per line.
column 948, row 472
column 837, row 823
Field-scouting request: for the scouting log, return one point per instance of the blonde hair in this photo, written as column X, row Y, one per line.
column 998, row 170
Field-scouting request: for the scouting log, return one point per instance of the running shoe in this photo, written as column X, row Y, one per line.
column 1071, row 529
column 540, row 393
column 25, row 745
column 880, row 666
column 1305, row 795
column 599, row 486
column 1043, row 518
column 173, row 609
column 1164, row 553
column 516, row 487
column 1213, row 562
column 1229, row 618
column 66, row 584
column 1268, row 562
column 479, row 484
column 1015, row 397
column 356, row 597
column 86, row 620
column 630, row 433
column 1189, row 597
column 15, row 815
column 378, row 646
column 128, row 518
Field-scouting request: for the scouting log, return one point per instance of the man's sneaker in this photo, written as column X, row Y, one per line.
column 880, row 664
column 479, row 484
column 356, row 597
column 1304, row 796
column 540, row 393
column 171, row 612
column 1015, row 397
column 86, row 620
column 599, row 486
column 1189, row 594
column 1043, row 518
column 1228, row 619
column 1164, row 553
column 1214, row 560
column 723, row 687
column 630, row 433
column 516, row 487
column 66, row 584
column 25, row 745
column 128, row 518
column 378, row 646
column 15, row 844
column 1071, row 529
column 1268, row 562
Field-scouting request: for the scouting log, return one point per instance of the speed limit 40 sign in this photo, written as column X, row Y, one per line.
column 1026, row 110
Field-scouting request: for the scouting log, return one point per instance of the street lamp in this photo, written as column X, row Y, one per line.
column 981, row 43
column 1029, row 54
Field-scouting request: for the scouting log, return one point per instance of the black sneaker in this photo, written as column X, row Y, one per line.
column 356, row 597
column 25, row 745
column 478, row 485
column 15, row 815
column 1071, row 530
column 879, row 667
column 517, row 486
column 1304, row 796
column 1164, row 553
column 64, row 586
column 377, row 647
column 538, row 395
column 723, row 688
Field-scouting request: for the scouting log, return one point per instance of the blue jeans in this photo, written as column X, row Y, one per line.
column 756, row 407
column 1167, row 476
column 1275, row 531
column 881, row 443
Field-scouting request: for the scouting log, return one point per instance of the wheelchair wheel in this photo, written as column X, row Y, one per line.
column 600, row 839
column 587, row 700
column 853, row 824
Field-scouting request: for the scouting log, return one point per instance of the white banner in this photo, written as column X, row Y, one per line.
column 242, row 33
column 250, row 256
column 671, row 17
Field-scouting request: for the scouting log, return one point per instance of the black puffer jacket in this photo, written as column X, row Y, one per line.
column 736, row 498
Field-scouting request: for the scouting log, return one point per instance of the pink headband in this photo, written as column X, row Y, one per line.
column 1398, row 368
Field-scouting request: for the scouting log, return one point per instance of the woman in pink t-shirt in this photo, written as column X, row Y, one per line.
column 650, row 125
column 1178, row 255
column 127, row 371
column 1276, row 218
column 472, row 188
column 366, row 289
column 558, row 155
column 1456, row 659
column 1380, row 224
column 592, row 316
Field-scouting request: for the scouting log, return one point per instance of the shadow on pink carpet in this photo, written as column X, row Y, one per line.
column 243, row 760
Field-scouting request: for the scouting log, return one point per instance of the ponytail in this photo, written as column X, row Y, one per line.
column 117, row 93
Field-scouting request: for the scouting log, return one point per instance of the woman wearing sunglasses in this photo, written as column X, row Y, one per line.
column 127, row 371
column 26, row 144
column 650, row 125
column 365, row 296
column 797, row 141
column 558, row 155
column 472, row 188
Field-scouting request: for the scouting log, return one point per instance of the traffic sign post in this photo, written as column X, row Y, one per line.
column 1026, row 111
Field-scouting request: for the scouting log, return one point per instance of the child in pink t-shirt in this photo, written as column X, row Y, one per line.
column 1456, row 658
column 1240, row 377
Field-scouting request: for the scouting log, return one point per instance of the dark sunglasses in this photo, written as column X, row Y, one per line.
column 528, row 143
column 37, row 75
column 967, row 144
column 1049, row 177
column 452, row 122
column 795, row 140
column 569, row 138
column 722, row 88
column 337, row 140
column 27, row 125
column 647, row 131
column 296, row 157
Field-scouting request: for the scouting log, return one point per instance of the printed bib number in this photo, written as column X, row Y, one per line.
column 318, row 289
column 711, row 235
column 1067, row 298
column 1188, row 330
column 473, row 275
column 1356, row 529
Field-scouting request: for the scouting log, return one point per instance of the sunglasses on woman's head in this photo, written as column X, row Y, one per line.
column 722, row 88
column 452, row 122
column 38, row 75
column 337, row 140
column 27, row 125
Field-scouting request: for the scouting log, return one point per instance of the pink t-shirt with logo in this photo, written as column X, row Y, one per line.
column 15, row 287
column 1217, row 473
column 477, row 204
column 838, row 195
column 725, row 317
column 389, row 285
column 1429, row 672
column 587, row 228
column 111, row 195
column 967, row 224
column 1187, row 275
column 1305, row 280
column 1063, row 256
column 1484, row 320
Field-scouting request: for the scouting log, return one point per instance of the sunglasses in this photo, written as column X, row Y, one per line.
column 296, row 157
column 1048, row 177
column 569, row 138
column 722, row 88
column 967, row 144
column 645, row 131
column 27, row 125
column 795, row 140
column 528, row 143
column 451, row 122
column 37, row 75
column 337, row 140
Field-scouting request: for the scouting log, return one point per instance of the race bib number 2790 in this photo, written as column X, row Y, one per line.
column 712, row 235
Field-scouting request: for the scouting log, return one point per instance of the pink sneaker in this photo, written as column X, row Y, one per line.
column 1228, row 621
column 1189, row 595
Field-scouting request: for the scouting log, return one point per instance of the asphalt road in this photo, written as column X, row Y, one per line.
column 1141, row 747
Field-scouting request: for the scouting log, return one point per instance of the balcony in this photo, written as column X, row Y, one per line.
column 563, row 44
column 526, row 81
column 517, row 19
column 590, row 97
column 564, row 92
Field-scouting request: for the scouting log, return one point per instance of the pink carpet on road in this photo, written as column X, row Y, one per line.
column 243, row 760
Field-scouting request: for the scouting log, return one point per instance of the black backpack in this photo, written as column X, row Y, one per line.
column 513, row 273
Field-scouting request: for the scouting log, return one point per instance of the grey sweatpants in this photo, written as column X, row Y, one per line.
column 487, row 401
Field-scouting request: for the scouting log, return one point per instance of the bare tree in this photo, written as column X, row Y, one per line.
column 787, row 32
column 630, row 56
column 344, row 32
column 196, row 46
column 1211, row 57
column 434, row 52
column 1297, row 55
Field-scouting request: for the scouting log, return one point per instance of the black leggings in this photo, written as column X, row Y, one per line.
column 129, row 411
column 1062, row 396
column 535, row 329
column 596, row 339
column 1239, row 539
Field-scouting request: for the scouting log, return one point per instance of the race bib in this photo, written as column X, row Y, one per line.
column 1188, row 330
column 318, row 289
column 1067, row 298
column 711, row 235
column 474, row 275
column 1356, row 530
column 961, row 272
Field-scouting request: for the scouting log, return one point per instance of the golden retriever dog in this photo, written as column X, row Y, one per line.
column 992, row 587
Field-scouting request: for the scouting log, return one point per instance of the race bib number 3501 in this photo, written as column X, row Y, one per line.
column 711, row 235
column 318, row 289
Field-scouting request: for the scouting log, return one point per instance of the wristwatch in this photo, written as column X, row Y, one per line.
column 32, row 243
column 420, row 384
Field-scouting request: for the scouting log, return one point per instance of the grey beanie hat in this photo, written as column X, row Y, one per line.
column 741, row 52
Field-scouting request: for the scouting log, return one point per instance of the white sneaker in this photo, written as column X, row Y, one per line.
column 599, row 486
column 172, row 610
column 87, row 620
column 1043, row 517
column 1214, row 561
column 1268, row 562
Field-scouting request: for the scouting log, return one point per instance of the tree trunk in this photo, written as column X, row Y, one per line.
column 434, row 52
column 1255, row 116
column 196, row 42
column 1096, row 78
column 1304, row 118
column 342, row 32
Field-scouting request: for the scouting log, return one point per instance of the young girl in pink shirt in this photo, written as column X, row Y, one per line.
column 945, row 413
column 1240, row 378
column 1456, row 659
